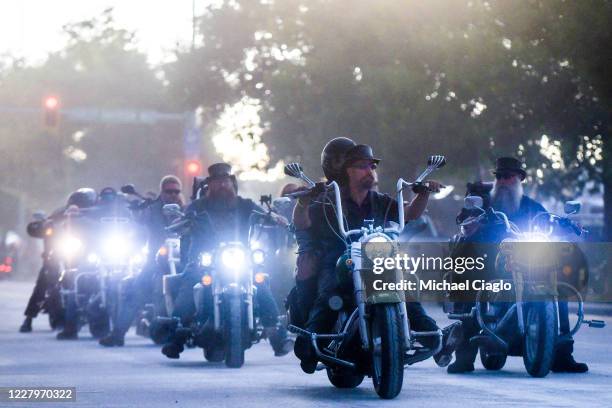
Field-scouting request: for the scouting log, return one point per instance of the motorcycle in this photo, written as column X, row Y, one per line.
column 43, row 228
column 9, row 254
column 372, row 333
column 526, row 322
column 226, row 322
column 95, row 255
column 167, row 260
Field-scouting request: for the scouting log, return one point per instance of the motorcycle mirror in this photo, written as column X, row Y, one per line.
column 39, row 216
column 172, row 210
column 472, row 202
column 128, row 189
column 293, row 170
column 265, row 199
column 572, row 207
column 436, row 161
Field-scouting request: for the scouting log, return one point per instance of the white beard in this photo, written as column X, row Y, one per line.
column 507, row 198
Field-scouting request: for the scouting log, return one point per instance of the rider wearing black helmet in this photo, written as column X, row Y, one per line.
column 355, row 172
column 48, row 275
column 309, row 253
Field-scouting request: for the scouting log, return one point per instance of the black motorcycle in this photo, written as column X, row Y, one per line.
column 43, row 228
column 95, row 254
column 226, row 322
column 540, row 264
column 167, row 262
column 372, row 336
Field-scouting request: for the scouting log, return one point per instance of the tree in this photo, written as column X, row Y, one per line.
column 99, row 67
column 472, row 80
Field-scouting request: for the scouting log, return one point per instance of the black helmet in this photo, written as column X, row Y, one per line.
column 83, row 198
column 333, row 156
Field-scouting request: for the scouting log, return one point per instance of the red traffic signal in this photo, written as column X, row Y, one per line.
column 193, row 167
column 51, row 102
column 51, row 108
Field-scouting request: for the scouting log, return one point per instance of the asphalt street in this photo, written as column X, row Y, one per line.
column 138, row 375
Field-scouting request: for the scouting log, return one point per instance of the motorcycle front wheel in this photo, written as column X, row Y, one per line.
column 234, row 349
column 99, row 325
column 541, row 328
column 387, row 350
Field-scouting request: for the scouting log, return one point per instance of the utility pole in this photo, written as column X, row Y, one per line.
column 193, row 24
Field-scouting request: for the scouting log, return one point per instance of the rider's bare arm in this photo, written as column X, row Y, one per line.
column 301, row 218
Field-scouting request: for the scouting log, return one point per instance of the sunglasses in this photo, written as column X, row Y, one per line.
column 172, row 192
column 365, row 166
column 504, row 176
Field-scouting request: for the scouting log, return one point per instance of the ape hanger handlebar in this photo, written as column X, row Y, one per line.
column 401, row 183
column 295, row 170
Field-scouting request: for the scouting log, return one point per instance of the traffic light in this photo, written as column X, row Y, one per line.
column 193, row 167
column 51, row 109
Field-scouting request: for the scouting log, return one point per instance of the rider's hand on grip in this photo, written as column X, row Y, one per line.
column 427, row 187
column 306, row 194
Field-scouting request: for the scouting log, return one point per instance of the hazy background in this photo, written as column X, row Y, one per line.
column 259, row 83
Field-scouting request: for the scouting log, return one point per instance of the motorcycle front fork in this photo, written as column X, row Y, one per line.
column 248, row 299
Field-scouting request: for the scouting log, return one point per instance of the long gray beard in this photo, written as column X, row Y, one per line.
column 507, row 198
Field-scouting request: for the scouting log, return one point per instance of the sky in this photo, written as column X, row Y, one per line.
column 32, row 28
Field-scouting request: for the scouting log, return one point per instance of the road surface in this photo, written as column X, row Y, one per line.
column 138, row 375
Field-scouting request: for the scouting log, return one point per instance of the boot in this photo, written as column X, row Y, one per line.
column 172, row 350
column 464, row 358
column 113, row 339
column 26, row 326
column 305, row 352
column 564, row 361
column 306, row 292
column 452, row 335
column 67, row 334
column 281, row 344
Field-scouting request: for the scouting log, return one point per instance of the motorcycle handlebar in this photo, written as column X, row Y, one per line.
column 321, row 187
column 566, row 223
column 177, row 225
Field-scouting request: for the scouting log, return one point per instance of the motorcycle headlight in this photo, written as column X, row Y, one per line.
column 69, row 246
column 533, row 251
column 206, row 259
column 116, row 246
column 534, row 237
column 258, row 257
column 93, row 258
column 233, row 258
column 379, row 246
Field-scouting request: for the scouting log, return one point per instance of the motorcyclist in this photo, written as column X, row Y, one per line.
column 507, row 196
column 48, row 274
column 109, row 204
column 307, row 268
column 228, row 217
column 360, row 201
column 136, row 292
